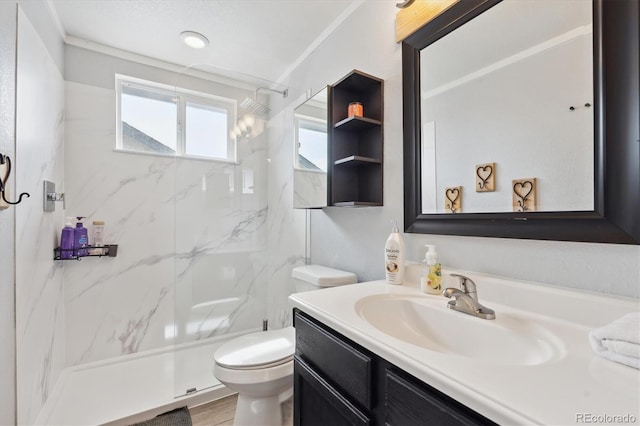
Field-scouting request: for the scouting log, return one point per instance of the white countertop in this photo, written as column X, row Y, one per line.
column 566, row 389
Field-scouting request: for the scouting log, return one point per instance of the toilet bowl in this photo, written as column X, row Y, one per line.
column 259, row 366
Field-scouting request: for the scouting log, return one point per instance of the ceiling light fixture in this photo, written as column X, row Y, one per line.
column 194, row 39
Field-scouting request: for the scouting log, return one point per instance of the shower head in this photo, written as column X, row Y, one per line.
column 255, row 107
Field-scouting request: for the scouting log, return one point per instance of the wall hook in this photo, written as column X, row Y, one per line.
column 51, row 196
column 524, row 195
column 485, row 177
column 572, row 108
column 453, row 199
column 4, row 159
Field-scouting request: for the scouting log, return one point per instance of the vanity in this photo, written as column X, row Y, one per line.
column 381, row 391
column 373, row 353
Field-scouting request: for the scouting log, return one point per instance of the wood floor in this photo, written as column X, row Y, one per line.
column 220, row 412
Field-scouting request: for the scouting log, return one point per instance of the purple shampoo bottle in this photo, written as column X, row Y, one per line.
column 66, row 240
column 81, row 238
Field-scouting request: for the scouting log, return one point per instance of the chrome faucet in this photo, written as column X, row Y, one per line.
column 466, row 300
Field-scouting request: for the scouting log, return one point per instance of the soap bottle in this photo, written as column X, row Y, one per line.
column 66, row 240
column 81, row 238
column 431, row 273
column 394, row 257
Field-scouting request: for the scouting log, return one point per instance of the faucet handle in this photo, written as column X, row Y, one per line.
column 467, row 285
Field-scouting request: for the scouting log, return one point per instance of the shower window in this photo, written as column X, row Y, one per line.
column 162, row 120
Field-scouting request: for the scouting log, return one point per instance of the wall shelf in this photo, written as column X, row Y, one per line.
column 357, row 160
column 109, row 250
column 357, row 204
column 355, row 148
column 357, row 123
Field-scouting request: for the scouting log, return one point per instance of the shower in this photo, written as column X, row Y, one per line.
column 252, row 106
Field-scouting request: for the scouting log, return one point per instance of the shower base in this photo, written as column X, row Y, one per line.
column 133, row 388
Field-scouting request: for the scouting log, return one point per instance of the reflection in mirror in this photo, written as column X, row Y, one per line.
column 310, row 153
column 516, row 95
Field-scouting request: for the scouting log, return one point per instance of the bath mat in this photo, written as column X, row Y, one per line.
column 177, row 417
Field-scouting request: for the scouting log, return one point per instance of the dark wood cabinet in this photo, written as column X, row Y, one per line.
column 338, row 382
column 318, row 402
column 347, row 366
column 355, row 148
column 408, row 402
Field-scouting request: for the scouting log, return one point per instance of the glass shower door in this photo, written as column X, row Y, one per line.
column 220, row 289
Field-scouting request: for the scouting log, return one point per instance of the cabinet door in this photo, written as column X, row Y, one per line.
column 348, row 368
column 408, row 402
column 317, row 403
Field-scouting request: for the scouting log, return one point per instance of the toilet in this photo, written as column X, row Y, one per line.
column 259, row 366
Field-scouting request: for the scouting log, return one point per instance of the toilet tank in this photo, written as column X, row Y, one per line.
column 314, row 277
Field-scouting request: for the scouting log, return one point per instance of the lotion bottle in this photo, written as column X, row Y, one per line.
column 394, row 257
column 431, row 273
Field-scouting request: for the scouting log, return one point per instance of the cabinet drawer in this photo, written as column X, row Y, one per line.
column 348, row 367
column 317, row 403
column 410, row 402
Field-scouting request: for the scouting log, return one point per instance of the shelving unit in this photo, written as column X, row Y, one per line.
column 109, row 250
column 355, row 148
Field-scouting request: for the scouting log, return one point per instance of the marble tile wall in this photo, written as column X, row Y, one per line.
column 121, row 305
column 8, row 28
column 309, row 189
column 39, row 279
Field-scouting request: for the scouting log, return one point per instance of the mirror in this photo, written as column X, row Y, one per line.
column 310, row 153
column 539, row 82
column 455, row 153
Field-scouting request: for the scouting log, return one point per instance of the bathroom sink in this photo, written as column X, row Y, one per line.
column 426, row 322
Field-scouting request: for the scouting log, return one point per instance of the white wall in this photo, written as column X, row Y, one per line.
column 39, row 156
column 353, row 239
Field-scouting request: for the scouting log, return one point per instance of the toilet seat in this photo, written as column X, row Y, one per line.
column 259, row 350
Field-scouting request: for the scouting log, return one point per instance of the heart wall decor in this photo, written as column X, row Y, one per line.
column 524, row 195
column 453, row 199
column 486, row 177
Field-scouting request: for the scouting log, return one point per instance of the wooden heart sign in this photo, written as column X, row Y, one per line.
column 524, row 195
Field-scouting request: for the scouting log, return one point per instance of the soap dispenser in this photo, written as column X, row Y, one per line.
column 81, row 238
column 394, row 257
column 431, row 272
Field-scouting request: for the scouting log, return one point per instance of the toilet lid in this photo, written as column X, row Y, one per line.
column 322, row 276
column 257, row 350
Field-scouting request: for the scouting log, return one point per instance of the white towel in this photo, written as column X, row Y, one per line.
column 619, row 341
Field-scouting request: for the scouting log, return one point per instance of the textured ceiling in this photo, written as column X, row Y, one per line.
column 261, row 38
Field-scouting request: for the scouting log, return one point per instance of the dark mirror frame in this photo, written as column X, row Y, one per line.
column 616, row 214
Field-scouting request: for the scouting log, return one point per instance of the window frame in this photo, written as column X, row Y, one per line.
column 182, row 97
column 317, row 124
